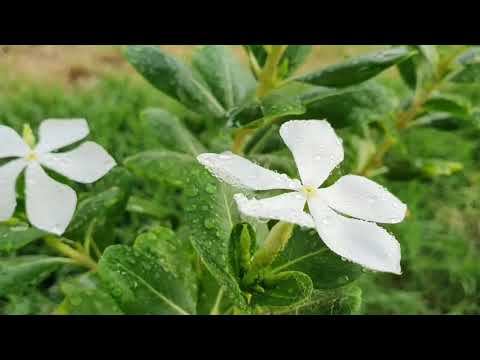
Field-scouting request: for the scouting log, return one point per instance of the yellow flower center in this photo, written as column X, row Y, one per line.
column 309, row 191
column 32, row 156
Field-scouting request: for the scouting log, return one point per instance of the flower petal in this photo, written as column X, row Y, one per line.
column 55, row 134
column 86, row 164
column 11, row 144
column 359, row 241
column 8, row 178
column 364, row 199
column 242, row 173
column 50, row 205
column 286, row 207
column 316, row 148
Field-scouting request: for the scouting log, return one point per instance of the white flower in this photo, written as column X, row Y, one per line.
column 317, row 151
column 50, row 205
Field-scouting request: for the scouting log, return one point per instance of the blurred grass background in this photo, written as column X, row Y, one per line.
column 440, row 241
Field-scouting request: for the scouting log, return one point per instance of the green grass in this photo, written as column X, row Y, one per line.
column 440, row 240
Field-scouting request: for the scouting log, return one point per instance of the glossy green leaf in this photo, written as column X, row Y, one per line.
column 225, row 76
column 21, row 273
column 15, row 237
column 140, row 285
column 212, row 214
column 162, row 166
column 174, row 254
column 365, row 103
column 168, row 130
column 307, row 253
column 284, row 289
column 95, row 206
column 149, row 207
column 357, row 70
column 421, row 67
column 343, row 301
column 173, row 78
column 449, row 103
column 86, row 295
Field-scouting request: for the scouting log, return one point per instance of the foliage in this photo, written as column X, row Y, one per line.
column 160, row 235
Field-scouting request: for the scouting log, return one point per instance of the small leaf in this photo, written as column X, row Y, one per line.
column 294, row 57
column 241, row 248
column 93, row 207
column 307, row 253
column 168, row 130
column 284, row 289
column 15, row 237
column 421, row 67
column 86, row 295
column 365, row 103
column 140, row 285
column 162, row 166
column 173, row 78
column 227, row 79
column 21, row 273
column 357, row 70
column 343, row 301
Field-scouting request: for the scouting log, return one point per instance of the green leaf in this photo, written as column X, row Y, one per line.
column 86, row 295
column 21, row 273
column 284, row 289
column 448, row 103
column 162, row 166
column 344, row 301
column 94, row 207
column 31, row 303
column 241, row 248
column 294, row 57
column 148, row 207
column 173, row 78
column 227, row 79
column 14, row 237
column 365, row 103
column 168, row 130
column 212, row 215
column 140, row 285
column 174, row 254
column 258, row 52
column 421, row 67
column 357, row 70
column 468, row 75
column 307, row 253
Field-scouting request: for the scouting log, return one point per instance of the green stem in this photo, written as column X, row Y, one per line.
column 268, row 80
column 405, row 118
column 275, row 242
column 216, row 307
column 79, row 258
column 269, row 76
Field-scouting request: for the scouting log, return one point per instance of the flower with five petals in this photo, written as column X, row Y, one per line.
column 50, row 205
column 344, row 214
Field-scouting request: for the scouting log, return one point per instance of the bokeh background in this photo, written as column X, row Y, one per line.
column 440, row 239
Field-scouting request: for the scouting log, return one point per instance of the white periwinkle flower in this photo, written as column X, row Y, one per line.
column 50, row 205
column 317, row 151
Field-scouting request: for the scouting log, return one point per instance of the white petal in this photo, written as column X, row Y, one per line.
column 55, row 134
column 242, row 173
column 316, row 148
column 50, row 205
column 8, row 196
column 359, row 241
column 286, row 207
column 86, row 164
column 11, row 144
column 361, row 198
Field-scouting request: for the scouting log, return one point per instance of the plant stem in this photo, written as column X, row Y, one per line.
column 405, row 118
column 268, row 77
column 268, row 80
column 79, row 258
